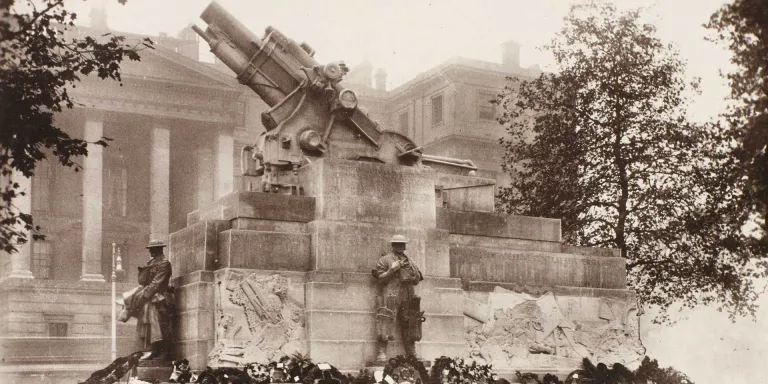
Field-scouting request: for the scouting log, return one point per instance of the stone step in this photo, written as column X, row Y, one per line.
column 257, row 205
column 151, row 370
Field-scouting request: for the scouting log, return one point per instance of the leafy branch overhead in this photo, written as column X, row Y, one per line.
column 743, row 27
column 41, row 57
column 604, row 144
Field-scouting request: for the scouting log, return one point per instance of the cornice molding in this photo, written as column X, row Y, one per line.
column 145, row 98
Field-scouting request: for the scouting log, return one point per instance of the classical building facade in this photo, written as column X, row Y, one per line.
column 176, row 126
column 446, row 109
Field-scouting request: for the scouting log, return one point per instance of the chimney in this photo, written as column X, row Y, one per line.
column 510, row 55
column 98, row 17
column 363, row 72
column 381, row 80
column 189, row 46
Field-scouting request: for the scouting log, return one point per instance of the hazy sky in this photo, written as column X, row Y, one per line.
column 406, row 37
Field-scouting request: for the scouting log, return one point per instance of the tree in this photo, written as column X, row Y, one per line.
column 604, row 144
column 39, row 62
column 743, row 27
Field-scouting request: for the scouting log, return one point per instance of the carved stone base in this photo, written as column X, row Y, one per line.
column 21, row 274
column 97, row 277
column 149, row 370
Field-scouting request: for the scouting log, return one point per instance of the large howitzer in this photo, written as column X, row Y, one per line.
column 311, row 114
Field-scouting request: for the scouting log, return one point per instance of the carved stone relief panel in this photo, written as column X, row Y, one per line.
column 545, row 331
column 258, row 320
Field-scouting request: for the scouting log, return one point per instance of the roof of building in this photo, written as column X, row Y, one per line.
column 457, row 62
column 168, row 48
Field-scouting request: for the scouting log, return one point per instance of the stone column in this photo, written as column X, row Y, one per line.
column 92, row 199
column 225, row 163
column 205, row 175
column 159, row 183
column 21, row 260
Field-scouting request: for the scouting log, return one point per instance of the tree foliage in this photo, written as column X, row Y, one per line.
column 39, row 61
column 743, row 27
column 605, row 145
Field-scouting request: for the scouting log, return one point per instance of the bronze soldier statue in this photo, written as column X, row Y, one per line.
column 152, row 303
column 397, row 301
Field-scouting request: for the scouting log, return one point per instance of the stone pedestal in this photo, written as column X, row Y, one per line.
column 259, row 275
column 154, row 370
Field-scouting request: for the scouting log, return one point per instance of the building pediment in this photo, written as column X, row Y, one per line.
column 163, row 65
column 166, row 84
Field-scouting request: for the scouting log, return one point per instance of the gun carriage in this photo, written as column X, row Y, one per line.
column 311, row 114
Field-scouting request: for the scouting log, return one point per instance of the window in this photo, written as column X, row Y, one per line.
column 57, row 329
column 116, row 194
column 41, row 186
column 486, row 108
column 437, row 109
column 42, row 258
column 403, row 119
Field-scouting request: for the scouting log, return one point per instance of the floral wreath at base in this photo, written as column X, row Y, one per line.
column 405, row 369
column 456, row 371
column 299, row 369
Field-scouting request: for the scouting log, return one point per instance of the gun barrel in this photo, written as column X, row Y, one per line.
column 208, row 38
column 241, row 36
column 450, row 161
column 271, row 67
column 236, row 60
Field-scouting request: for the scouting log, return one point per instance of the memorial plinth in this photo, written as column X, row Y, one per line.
column 261, row 275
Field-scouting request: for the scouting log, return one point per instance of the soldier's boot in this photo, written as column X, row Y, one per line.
column 165, row 350
column 160, row 350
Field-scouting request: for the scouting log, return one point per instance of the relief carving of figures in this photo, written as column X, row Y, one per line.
column 521, row 330
column 617, row 339
column 258, row 321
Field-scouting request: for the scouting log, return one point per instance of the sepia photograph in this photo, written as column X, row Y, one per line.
column 383, row 192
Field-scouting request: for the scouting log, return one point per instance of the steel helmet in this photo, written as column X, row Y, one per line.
column 156, row 244
column 399, row 239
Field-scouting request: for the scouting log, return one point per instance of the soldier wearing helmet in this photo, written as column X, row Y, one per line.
column 397, row 302
column 152, row 305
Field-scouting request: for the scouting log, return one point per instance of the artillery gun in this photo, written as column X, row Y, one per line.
column 311, row 114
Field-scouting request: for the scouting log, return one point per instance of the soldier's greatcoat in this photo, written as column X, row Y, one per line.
column 153, row 304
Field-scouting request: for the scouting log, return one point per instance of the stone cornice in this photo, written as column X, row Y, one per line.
column 162, row 99
column 61, row 286
column 450, row 72
column 202, row 88
column 461, row 138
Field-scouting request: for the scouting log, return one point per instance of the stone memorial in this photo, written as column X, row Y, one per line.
column 286, row 268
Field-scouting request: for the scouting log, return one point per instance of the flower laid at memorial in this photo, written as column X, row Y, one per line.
column 398, row 370
column 402, row 369
column 456, row 371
